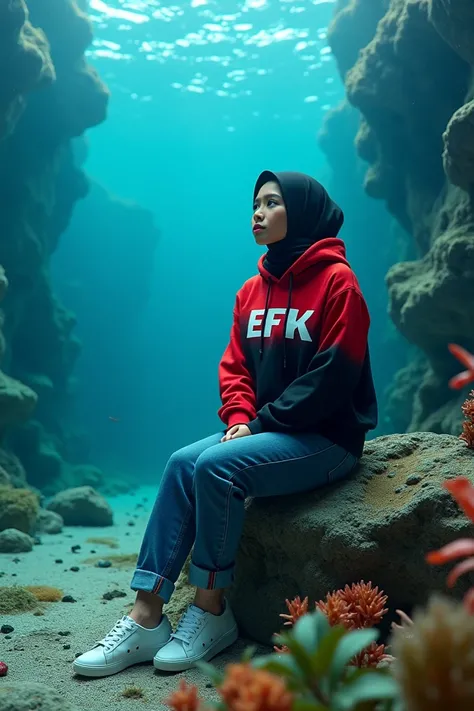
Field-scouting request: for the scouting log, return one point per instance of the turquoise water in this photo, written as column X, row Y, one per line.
column 204, row 95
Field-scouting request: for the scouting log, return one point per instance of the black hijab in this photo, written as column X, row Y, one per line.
column 311, row 215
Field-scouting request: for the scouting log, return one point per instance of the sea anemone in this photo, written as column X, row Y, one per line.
column 435, row 663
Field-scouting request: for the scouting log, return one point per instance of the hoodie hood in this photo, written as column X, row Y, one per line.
column 311, row 215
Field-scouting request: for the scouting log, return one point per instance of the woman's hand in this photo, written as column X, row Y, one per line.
column 236, row 431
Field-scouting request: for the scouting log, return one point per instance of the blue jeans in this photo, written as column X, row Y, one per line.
column 201, row 501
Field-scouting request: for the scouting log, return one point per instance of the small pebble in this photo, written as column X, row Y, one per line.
column 92, row 551
column 64, row 634
column 8, row 636
column 37, row 540
column 114, row 593
column 74, row 569
column 75, row 548
column 413, row 479
column 131, row 523
column 103, row 564
column 399, row 489
column 391, row 475
column 6, row 629
column 66, row 646
column 77, row 654
column 16, row 560
column 68, row 598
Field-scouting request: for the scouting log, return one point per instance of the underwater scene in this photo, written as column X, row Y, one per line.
column 237, row 355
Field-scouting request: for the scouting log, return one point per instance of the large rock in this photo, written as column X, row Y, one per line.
column 82, row 506
column 376, row 526
column 18, row 509
column 13, row 541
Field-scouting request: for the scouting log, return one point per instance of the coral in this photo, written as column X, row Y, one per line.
column 354, row 607
column 16, row 599
column 468, row 425
column 462, row 490
column 45, row 593
column 434, row 664
column 185, row 698
column 248, row 689
column 357, row 606
column 18, row 509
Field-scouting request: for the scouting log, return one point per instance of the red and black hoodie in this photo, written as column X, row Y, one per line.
column 298, row 357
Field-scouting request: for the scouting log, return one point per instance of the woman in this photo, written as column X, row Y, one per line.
column 297, row 402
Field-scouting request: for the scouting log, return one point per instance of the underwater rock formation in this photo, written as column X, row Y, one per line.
column 407, row 67
column 48, row 96
column 376, row 526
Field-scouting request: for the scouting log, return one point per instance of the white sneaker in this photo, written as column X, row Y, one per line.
column 199, row 636
column 126, row 644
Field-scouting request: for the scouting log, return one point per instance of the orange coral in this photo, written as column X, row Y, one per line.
column 370, row 656
column 468, row 424
column 297, row 608
column 248, row 689
column 185, row 698
column 355, row 607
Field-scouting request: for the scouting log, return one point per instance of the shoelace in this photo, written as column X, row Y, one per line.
column 116, row 634
column 188, row 625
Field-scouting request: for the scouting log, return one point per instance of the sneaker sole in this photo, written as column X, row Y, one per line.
column 110, row 669
column 184, row 664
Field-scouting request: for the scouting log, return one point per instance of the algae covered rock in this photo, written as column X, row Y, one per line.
column 14, row 541
column 82, row 506
column 18, row 509
column 25, row 696
column 375, row 526
column 15, row 599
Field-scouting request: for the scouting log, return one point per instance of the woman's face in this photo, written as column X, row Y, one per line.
column 269, row 222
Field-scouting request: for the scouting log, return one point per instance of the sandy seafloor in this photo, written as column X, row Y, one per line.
column 35, row 651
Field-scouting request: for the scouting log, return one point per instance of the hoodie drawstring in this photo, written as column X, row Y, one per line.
column 265, row 313
column 286, row 318
column 287, row 314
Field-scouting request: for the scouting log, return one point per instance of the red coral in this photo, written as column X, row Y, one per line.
column 355, row 607
column 462, row 491
column 3, row 669
column 468, row 424
column 185, row 698
column 371, row 656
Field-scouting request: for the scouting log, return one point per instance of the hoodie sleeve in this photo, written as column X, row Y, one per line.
column 235, row 382
column 332, row 374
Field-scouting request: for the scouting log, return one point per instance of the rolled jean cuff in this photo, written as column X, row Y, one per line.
column 210, row 579
column 152, row 583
